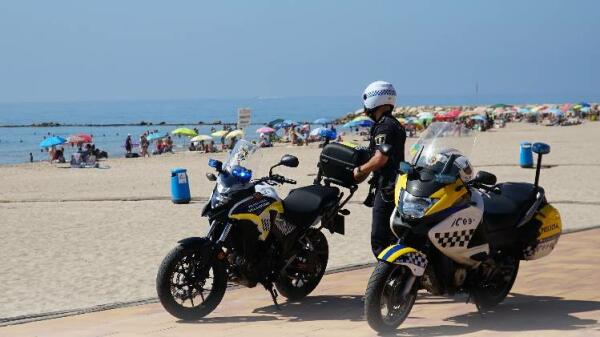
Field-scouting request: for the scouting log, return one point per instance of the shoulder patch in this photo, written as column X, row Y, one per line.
column 380, row 139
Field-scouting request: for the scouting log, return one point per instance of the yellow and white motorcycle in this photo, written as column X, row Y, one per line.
column 457, row 233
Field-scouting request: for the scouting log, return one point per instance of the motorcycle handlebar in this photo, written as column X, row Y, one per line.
column 277, row 179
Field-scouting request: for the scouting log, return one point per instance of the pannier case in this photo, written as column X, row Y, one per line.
column 549, row 226
column 338, row 161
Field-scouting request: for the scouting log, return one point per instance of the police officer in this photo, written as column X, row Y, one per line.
column 387, row 151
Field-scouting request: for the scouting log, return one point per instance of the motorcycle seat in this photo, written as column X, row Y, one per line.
column 504, row 210
column 303, row 205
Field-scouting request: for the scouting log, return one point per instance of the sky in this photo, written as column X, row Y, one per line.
column 120, row 50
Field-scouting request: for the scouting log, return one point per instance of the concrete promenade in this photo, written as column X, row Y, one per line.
column 555, row 296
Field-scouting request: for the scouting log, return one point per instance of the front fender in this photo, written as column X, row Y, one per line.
column 194, row 242
column 406, row 256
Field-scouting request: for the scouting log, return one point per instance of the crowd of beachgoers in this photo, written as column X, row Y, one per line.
column 414, row 120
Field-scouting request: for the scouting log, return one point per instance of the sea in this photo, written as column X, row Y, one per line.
column 18, row 139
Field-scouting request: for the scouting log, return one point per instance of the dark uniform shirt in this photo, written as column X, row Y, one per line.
column 388, row 130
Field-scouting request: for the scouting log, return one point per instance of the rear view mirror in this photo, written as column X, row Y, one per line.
column 406, row 168
column 289, row 161
column 485, row 178
column 211, row 177
column 541, row 148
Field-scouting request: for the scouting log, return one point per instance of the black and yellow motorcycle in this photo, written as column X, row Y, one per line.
column 457, row 233
column 254, row 237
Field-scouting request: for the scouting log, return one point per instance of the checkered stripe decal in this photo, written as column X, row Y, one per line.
column 454, row 239
column 417, row 259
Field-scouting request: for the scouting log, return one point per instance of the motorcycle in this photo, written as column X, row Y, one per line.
column 457, row 234
column 254, row 237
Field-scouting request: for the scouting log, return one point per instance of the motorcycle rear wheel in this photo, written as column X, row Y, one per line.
column 294, row 283
column 181, row 281
column 384, row 309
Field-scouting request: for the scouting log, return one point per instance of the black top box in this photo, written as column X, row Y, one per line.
column 338, row 162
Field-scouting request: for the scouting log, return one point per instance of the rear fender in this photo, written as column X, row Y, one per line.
column 406, row 256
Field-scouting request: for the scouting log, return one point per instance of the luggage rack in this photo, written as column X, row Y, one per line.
column 333, row 219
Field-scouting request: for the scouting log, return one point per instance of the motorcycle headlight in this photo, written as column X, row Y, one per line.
column 414, row 207
column 219, row 199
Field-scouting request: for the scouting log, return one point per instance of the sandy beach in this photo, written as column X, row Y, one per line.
column 74, row 238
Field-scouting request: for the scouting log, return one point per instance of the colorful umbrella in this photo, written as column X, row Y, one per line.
column 361, row 118
column 52, row 141
column 500, row 105
column 184, row 132
column 154, row 136
column 322, row 121
column 478, row 118
column 220, row 133
column 235, row 133
column 265, row 129
column 79, row 138
column 200, row 138
column 317, row 131
column 275, row 122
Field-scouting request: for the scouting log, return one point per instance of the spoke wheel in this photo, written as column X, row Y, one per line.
column 305, row 271
column 188, row 286
column 385, row 308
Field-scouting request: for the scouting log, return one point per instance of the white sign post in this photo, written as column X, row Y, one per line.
column 243, row 118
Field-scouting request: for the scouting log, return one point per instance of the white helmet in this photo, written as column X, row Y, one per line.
column 379, row 93
column 464, row 168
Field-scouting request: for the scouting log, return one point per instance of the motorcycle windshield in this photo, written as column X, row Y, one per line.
column 442, row 139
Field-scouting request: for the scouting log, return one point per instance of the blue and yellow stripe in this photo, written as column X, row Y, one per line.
column 392, row 253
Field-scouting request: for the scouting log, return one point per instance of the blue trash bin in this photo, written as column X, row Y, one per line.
column 180, row 186
column 526, row 156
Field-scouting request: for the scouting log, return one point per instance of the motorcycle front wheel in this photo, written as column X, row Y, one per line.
column 385, row 309
column 189, row 284
column 305, row 271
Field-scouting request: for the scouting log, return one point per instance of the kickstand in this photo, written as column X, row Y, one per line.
column 274, row 295
column 479, row 310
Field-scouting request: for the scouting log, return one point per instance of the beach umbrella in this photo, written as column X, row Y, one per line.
column 565, row 107
column 523, row 110
column 585, row 104
column 322, row 121
column 154, row 136
column 275, row 122
column 349, row 125
column 361, row 118
column 184, row 132
column 317, row 131
column 500, row 105
column 478, row 118
column 401, row 120
column 585, row 109
column 200, row 138
column 79, row 138
column 538, row 108
column 328, row 133
column 235, row 133
column 265, row 129
column 365, row 123
column 52, row 141
column 220, row 133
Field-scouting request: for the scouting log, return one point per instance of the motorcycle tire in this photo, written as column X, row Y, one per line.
column 172, row 264
column 486, row 297
column 293, row 291
column 383, row 275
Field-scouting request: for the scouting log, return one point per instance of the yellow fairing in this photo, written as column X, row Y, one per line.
column 263, row 220
column 448, row 196
column 551, row 222
column 400, row 185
